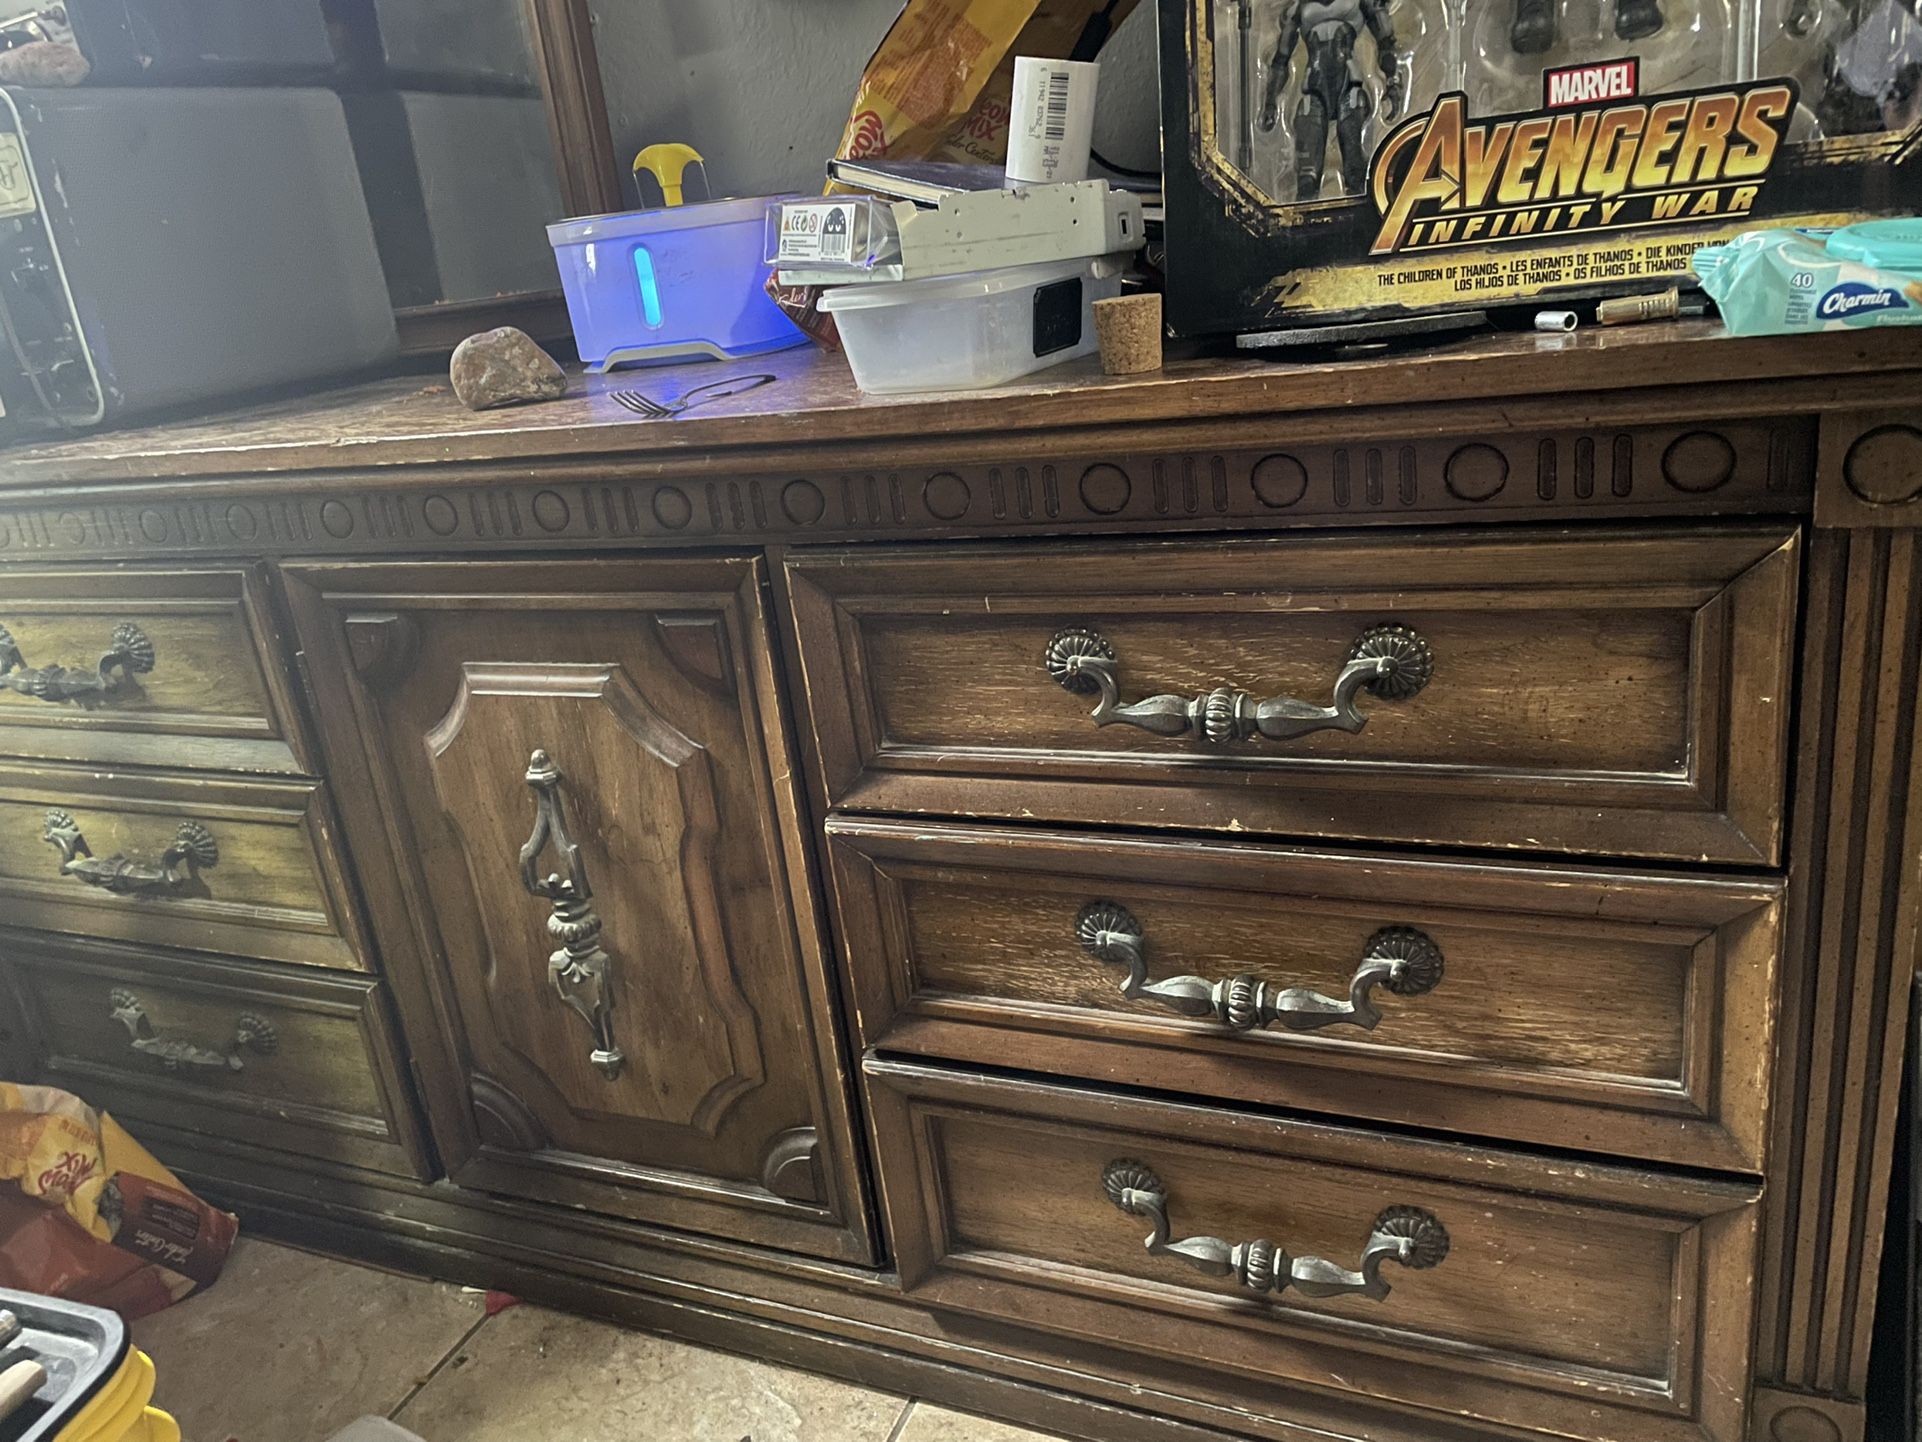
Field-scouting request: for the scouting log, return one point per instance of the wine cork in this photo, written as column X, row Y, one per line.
column 1128, row 330
column 18, row 1383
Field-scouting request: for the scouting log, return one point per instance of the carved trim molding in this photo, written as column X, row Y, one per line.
column 1855, row 928
column 1734, row 466
column 1869, row 469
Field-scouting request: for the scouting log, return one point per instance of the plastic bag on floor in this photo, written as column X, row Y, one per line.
column 87, row 1214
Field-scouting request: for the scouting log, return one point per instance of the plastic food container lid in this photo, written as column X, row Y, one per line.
column 621, row 223
column 972, row 285
column 1886, row 244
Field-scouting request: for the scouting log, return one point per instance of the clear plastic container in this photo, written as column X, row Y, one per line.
column 966, row 331
column 659, row 285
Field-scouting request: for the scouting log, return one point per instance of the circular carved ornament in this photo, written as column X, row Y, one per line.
column 441, row 516
column 1279, row 481
column 551, row 511
column 1884, row 465
column 946, row 496
column 672, row 508
column 1803, row 1424
column 1105, row 489
column 1698, row 462
column 338, row 519
column 1475, row 473
column 802, row 502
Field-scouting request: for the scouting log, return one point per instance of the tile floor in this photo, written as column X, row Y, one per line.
column 291, row 1347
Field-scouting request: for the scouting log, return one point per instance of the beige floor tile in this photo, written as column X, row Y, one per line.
column 290, row 1347
column 531, row 1375
column 928, row 1423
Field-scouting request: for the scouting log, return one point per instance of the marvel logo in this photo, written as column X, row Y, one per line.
column 1585, row 84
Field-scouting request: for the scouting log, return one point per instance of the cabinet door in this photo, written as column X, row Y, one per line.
column 568, row 796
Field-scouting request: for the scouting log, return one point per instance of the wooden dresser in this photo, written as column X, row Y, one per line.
column 1432, row 845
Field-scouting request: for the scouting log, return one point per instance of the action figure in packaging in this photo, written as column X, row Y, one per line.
column 1371, row 160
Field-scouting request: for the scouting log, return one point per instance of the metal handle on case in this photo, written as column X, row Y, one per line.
column 1389, row 661
column 192, row 851
column 252, row 1033
column 581, row 972
column 1403, row 960
column 129, row 654
column 1407, row 1235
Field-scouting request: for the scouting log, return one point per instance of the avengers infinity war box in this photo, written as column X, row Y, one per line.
column 1355, row 159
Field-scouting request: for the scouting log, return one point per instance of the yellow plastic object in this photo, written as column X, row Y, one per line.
column 118, row 1412
column 668, row 165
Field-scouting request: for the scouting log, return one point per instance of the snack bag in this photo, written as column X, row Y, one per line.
column 939, row 86
column 87, row 1214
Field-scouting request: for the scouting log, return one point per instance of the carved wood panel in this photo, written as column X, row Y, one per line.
column 1310, row 478
column 638, row 1037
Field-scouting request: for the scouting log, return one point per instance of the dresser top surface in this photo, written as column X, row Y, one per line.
column 415, row 420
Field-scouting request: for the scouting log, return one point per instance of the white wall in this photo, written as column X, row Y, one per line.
column 763, row 87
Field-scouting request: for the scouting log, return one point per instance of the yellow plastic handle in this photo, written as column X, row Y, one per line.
column 668, row 165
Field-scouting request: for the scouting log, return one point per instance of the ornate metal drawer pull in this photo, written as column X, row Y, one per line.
column 252, row 1033
column 1392, row 662
column 192, row 852
column 582, row 973
column 1407, row 1235
column 1399, row 958
column 130, row 654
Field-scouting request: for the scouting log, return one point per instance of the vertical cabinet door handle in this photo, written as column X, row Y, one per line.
column 252, row 1033
column 1389, row 661
column 129, row 654
column 581, row 972
column 1399, row 959
column 1409, row 1236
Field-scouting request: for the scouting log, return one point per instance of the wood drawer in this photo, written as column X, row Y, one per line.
column 269, row 887
column 1599, row 1010
column 1598, row 1302
column 1601, row 692
column 298, row 1060
column 193, row 681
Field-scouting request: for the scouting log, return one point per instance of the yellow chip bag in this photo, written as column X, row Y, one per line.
column 939, row 86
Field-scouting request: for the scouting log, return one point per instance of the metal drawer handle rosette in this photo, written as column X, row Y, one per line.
column 129, row 654
column 1407, row 1235
column 1398, row 958
column 1391, row 662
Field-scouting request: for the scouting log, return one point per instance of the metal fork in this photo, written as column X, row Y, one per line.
column 653, row 410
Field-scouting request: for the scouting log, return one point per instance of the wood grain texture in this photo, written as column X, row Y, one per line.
column 1581, row 702
column 332, row 1090
column 217, row 696
column 1592, row 1010
column 1857, row 904
column 1589, row 1300
column 1688, row 372
column 648, row 685
column 277, row 892
column 562, row 32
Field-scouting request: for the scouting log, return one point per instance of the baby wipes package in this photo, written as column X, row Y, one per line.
column 1775, row 282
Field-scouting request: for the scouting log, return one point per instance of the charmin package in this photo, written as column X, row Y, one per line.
column 1332, row 160
column 1771, row 282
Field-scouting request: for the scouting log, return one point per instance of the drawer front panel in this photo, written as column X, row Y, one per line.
column 1600, row 1302
column 297, row 1060
column 1540, row 692
column 165, row 668
column 1614, row 1012
column 240, row 867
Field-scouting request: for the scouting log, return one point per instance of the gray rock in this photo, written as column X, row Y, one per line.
column 46, row 63
column 504, row 368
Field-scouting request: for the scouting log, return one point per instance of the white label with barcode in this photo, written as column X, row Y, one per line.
column 1051, row 120
column 16, row 186
column 814, row 232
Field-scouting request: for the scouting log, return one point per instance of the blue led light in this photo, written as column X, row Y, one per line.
column 650, row 287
